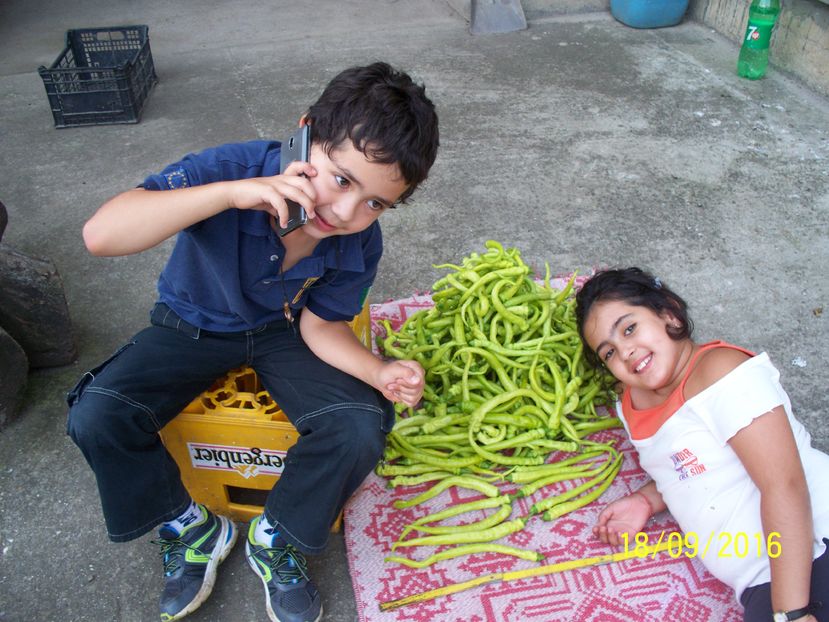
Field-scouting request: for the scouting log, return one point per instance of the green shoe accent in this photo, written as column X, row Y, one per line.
column 290, row 595
column 191, row 560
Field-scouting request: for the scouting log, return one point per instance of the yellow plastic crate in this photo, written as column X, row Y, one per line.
column 230, row 442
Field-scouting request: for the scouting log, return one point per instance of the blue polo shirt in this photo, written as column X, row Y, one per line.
column 224, row 272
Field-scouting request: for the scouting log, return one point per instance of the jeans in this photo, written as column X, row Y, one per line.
column 117, row 409
column 757, row 599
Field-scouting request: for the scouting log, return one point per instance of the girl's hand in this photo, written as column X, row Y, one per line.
column 626, row 515
column 270, row 193
column 402, row 381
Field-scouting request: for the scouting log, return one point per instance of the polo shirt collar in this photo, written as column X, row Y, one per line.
column 349, row 247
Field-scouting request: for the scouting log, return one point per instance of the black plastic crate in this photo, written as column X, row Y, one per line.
column 103, row 76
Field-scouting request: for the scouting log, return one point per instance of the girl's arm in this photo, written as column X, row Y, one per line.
column 336, row 344
column 138, row 219
column 769, row 453
column 652, row 496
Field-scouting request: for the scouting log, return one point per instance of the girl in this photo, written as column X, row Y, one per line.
column 715, row 431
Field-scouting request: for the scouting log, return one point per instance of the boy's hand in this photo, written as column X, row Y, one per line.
column 270, row 193
column 402, row 381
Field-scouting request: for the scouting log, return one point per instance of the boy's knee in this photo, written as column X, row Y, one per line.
column 102, row 420
column 361, row 435
column 83, row 421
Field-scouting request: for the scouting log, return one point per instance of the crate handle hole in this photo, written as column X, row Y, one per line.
column 247, row 496
column 114, row 35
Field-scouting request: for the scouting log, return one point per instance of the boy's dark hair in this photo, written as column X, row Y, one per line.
column 635, row 287
column 385, row 115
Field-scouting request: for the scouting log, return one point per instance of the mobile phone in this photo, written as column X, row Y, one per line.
column 296, row 147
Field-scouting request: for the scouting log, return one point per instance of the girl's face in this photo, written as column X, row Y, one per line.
column 632, row 341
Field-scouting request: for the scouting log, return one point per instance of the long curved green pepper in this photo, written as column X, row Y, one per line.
column 508, row 396
column 536, row 385
column 505, row 313
column 485, row 535
column 439, row 440
column 414, row 480
column 497, row 363
column 574, row 365
column 395, row 470
column 491, row 434
column 410, row 422
column 498, row 458
column 551, row 444
column 492, row 276
column 574, row 464
column 443, row 421
column 460, row 481
column 440, row 460
column 569, row 431
column 496, row 518
column 568, row 506
column 606, row 474
column 568, row 289
column 587, row 428
column 555, row 419
column 462, row 508
column 520, row 439
column 528, row 489
column 587, row 396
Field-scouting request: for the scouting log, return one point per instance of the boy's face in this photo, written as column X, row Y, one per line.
column 352, row 191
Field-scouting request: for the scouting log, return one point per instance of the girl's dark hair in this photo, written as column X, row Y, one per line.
column 635, row 287
column 385, row 115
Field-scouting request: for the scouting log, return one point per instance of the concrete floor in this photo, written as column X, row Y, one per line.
column 579, row 141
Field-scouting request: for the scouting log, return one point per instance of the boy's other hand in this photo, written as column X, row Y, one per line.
column 403, row 381
column 270, row 193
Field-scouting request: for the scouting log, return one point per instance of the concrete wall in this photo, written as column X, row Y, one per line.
column 799, row 45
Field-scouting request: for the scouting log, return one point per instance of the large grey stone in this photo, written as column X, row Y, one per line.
column 14, row 369
column 4, row 219
column 33, row 309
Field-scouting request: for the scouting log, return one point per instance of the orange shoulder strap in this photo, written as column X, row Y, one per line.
column 646, row 422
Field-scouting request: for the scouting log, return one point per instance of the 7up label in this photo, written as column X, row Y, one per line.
column 758, row 35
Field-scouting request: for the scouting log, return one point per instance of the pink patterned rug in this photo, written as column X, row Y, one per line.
column 639, row 589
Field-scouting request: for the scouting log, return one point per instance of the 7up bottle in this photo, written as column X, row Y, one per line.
column 754, row 55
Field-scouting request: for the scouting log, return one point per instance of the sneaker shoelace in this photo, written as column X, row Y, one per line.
column 287, row 564
column 173, row 551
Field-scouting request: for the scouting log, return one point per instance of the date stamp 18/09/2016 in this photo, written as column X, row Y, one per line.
column 723, row 544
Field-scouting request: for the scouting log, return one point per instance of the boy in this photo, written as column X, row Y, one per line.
column 234, row 293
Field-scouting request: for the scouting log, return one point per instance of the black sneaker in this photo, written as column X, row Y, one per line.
column 290, row 595
column 190, row 562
